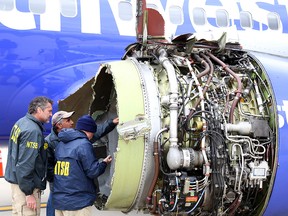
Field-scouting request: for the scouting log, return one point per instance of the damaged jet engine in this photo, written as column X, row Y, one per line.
column 197, row 132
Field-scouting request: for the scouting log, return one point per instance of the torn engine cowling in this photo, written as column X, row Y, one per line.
column 197, row 132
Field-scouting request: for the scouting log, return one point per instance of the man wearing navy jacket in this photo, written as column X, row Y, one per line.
column 60, row 120
column 27, row 158
column 76, row 167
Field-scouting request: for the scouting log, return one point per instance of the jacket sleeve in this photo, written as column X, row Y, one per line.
column 103, row 129
column 25, row 165
column 91, row 166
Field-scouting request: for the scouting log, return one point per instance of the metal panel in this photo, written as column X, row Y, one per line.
column 130, row 154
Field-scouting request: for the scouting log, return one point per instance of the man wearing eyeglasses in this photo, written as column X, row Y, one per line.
column 60, row 120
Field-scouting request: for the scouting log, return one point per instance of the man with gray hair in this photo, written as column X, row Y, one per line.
column 27, row 158
column 60, row 120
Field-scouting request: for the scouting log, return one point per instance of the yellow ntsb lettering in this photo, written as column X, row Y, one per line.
column 46, row 145
column 33, row 145
column 62, row 168
column 15, row 133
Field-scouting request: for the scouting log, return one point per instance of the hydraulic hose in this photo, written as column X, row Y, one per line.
column 156, row 171
column 239, row 88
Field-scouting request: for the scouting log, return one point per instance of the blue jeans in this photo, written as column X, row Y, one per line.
column 50, row 210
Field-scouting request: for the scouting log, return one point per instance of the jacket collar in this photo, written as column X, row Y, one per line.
column 32, row 118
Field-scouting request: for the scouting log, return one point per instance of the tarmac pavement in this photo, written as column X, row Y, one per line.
column 94, row 212
column 5, row 200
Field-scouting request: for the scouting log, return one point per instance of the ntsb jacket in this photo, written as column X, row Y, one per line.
column 103, row 129
column 27, row 156
column 76, row 167
column 53, row 140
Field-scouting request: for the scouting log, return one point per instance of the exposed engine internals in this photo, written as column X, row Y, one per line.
column 217, row 143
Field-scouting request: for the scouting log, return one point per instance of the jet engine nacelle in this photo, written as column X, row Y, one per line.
column 197, row 131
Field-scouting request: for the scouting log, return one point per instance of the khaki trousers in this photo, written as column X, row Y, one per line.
column 87, row 211
column 19, row 206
